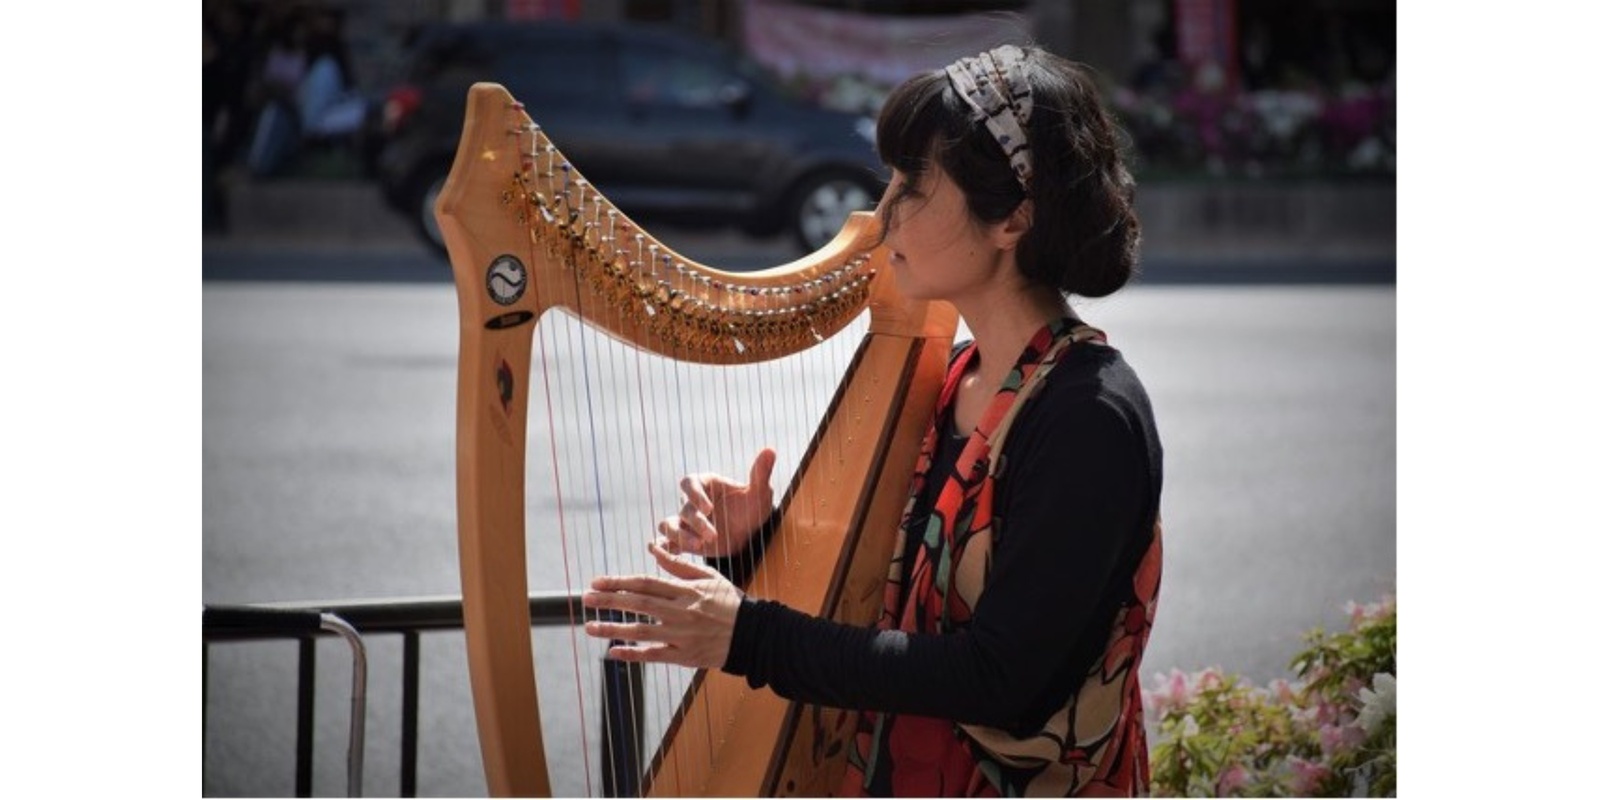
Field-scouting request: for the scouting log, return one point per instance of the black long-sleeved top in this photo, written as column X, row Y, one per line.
column 1075, row 503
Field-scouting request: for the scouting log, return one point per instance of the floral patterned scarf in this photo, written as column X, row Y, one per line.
column 1094, row 745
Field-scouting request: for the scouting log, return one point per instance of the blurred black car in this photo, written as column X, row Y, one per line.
column 666, row 125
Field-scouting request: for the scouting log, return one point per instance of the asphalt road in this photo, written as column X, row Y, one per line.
column 329, row 381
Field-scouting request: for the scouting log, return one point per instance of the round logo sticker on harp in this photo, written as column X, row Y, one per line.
column 507, row 279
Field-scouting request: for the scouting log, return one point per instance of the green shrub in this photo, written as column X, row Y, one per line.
column 1330, row 732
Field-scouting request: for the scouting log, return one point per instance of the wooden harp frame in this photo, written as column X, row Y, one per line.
column 526, row 234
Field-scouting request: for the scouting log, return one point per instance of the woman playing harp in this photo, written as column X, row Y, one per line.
column 1025, row 575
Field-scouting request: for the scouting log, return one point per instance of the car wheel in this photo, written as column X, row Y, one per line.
column 823, row 203
column 425, row 194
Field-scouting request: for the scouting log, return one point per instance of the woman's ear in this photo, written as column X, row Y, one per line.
column 1010, row 230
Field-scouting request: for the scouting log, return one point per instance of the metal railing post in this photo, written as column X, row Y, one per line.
column 304, row 620
column 305, row 714
column 621, row 728
column 358, row 700
column 411, row 664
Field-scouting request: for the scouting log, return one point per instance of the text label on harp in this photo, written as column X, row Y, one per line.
column 510, row 319
column 507, row 279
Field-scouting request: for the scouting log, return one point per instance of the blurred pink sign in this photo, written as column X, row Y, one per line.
column 818, row 43
column 542, row 9
column 1206, row 32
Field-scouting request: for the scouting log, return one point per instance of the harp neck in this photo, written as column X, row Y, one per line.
column 544, row 237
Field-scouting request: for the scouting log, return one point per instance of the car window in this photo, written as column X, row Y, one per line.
column 451, row 57
column 558, row 71
column 657, row 76
column 759, row 74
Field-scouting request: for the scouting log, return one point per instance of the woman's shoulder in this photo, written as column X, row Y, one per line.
column 1092, row 387
column 1092, row 411
column 1089, row 371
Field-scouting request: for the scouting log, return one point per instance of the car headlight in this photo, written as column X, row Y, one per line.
column 867, row 129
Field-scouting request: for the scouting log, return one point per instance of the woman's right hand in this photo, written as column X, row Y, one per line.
column 719, row 516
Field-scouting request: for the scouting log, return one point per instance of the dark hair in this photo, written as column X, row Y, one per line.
column 1085, row 234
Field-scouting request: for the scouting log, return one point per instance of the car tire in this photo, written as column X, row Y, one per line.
column 424, row 195
column 821, row 203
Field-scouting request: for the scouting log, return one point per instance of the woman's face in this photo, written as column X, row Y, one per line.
column 936, row 248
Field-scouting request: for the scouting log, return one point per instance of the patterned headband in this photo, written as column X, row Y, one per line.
column 992, row 85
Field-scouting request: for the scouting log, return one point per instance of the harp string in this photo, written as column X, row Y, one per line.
column 563, row 530
column 572, row 426
column 594, row 529
column 654, row 690
column 640, row 525
column 600, row 447
column 610, row 427
column 593, row 439
column 659, row 690
column 658, row 684
column 647, row 396
column 675, row 684
column 543, row 354
column 628, row 471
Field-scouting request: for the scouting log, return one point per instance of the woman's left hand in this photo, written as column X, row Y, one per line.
column 690, row 613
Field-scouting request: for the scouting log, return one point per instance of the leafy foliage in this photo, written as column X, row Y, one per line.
column 1329, row 732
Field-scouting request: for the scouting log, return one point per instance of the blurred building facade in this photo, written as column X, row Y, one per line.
column 1210, row 87
column 1257, row 126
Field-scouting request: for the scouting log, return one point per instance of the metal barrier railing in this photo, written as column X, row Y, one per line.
column 409, row 617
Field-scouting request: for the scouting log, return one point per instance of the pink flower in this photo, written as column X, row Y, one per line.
column 1231, row 780
column 1167, row 692
column 1178, row 688
column 1281, row 690
column 1306, row 776
column 1154, row 704
column 1327, row 713
column 1362, row 613
column 1305, row 716
column 1330, row 738
column 1338, row 738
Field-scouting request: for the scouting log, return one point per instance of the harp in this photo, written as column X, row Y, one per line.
column 527, row 235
